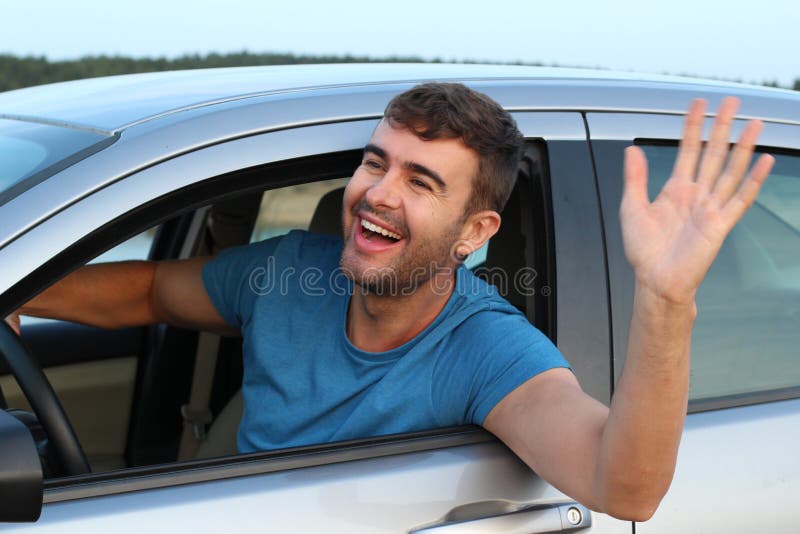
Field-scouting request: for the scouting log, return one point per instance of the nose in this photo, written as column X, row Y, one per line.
column 385, row 192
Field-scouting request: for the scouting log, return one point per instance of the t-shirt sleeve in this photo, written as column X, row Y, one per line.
column 501, row 354
column 237, row 276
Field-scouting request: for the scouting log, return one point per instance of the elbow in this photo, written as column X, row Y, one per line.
column 638, row 512
column 635, row 500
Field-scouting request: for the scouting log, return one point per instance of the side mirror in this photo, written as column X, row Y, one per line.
column 21, row 479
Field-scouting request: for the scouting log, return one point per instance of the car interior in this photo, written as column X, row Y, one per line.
column 160, row 394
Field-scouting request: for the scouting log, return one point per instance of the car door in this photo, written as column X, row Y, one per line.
column 455, row 478
column 738, row 468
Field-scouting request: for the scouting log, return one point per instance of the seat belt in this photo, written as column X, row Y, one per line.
column 223, row 229
column 196, row 413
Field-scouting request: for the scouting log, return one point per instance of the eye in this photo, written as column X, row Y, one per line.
column 371, row 163
column 419, row 183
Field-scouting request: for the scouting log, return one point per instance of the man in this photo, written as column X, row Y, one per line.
column 416, row 342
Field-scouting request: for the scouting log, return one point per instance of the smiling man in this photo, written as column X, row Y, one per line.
column 412, row 344
column 418, row 342
column 427, row 193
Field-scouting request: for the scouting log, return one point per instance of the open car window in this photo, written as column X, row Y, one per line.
column 125, row 391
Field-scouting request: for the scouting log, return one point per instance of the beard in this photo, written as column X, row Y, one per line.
column 420, row 260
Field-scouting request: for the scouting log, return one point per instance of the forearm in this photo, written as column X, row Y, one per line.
column 110, row 295
column 641, row 437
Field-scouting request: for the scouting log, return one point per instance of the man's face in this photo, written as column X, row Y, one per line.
column 403, row 209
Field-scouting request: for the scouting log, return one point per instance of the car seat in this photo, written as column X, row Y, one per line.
column 221, row 436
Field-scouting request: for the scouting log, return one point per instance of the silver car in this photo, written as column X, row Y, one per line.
column 113, row 436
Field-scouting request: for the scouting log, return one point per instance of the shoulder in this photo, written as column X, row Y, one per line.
column 505, row 331
column 260, row 262
column 305, row 249
column 298, row 248
column 494, row 328
column 482, row 302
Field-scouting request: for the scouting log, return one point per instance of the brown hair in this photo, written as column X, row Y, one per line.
column 454, row 111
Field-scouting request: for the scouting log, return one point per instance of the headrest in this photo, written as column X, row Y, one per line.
column 327, row 217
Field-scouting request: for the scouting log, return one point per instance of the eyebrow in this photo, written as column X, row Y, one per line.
column 415, row 167
column 378, row 151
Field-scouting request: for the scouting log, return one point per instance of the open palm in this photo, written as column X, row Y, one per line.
column 672, row 241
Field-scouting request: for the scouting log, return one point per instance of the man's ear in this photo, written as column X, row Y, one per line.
column 477, row 230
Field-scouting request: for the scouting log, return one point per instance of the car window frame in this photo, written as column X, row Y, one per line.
column 219, row 186
column 175, row 473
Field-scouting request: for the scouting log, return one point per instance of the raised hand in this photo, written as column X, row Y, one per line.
column 672, row 241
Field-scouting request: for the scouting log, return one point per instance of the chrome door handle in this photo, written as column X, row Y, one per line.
column 511, row 518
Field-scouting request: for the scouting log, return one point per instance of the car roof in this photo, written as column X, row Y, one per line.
column 111, row 104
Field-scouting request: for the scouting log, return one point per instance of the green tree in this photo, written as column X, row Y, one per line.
column 17, row 72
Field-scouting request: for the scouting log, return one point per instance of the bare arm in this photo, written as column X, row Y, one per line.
column 135, row 293
column 621, row 460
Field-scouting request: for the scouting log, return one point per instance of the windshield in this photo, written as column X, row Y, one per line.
column 30, row 152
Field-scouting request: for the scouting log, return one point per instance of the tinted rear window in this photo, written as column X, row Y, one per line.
column 746, row 336
column 30, row 152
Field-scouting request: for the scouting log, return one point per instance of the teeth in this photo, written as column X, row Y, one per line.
column 378, row 229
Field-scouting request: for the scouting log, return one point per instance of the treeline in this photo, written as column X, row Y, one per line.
column 17, row 72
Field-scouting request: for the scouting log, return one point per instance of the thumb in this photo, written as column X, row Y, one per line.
column 634, row 193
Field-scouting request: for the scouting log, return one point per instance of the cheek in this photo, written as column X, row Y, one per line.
column 422, row 218
column 353, row 193
column 432, row 212
column 441, row 223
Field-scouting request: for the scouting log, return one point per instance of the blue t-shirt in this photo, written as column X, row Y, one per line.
column 305, row 383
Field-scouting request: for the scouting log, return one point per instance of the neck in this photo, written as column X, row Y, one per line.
column 377, row 323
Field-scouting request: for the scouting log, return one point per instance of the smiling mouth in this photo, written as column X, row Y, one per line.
column 373, row 234
column 373, row 230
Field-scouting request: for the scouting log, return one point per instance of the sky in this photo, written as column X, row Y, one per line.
column 731, row 39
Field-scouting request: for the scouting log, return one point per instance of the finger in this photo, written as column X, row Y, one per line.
column 740, row 159
column 634, row 193
column 691, row 142
column 718, row 144
column 746, row 195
